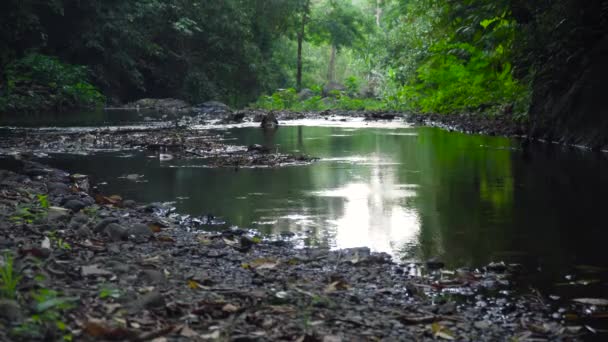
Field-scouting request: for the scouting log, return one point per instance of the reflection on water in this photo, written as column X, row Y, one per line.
column 413, row 192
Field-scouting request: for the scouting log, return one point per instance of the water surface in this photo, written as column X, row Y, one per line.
column 412, row 192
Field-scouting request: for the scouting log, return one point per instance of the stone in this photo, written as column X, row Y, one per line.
column 57, row 214
column 152, row 277
column 74, row 205
column 101, row 226
column 56, row 188
column 140, row 232
column 10, row 311
column 151, row 300
column 270, row 121
column 116, row 232
column 129, row 204
column 84, row 232
column 434, row 264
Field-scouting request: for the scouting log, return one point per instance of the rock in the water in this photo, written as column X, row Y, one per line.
column 258, row 148
column 129, row 204
column 270, row 121
column 10, row 311
column 117, row 232
column 212, row 107
column 434, row 264
column 74, row 205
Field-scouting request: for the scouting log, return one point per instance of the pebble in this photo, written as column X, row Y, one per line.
column 116, row 232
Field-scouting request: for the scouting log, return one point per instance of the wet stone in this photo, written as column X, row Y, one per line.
column 152, row 277
column 56, row 188
column 74, row 205
column 84, row 232
column 129, row 204
column 140, row 232
column 117, row 232
column 10, row 311
column 101, row 226
column 152, row 300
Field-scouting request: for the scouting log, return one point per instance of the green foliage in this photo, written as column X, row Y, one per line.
column 58, row 241
column 43, row 82
column 109, row 292
column 460, row 77
column 49, row 307
column 9, row 279
column 287, row 100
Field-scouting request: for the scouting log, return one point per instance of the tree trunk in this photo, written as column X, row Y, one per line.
column 331, row 73
column 299, row 72
column 378, row 12
column 301, row 34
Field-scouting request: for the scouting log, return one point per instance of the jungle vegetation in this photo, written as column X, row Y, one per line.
column 436, row 56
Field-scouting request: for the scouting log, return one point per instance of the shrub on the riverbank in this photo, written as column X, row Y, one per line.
column 39, row 82
column 287, row 99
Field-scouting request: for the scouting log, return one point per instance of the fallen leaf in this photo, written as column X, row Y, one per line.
column 194, row 285
column 592, row 301
column 263, row 263
column 105, row 331
column 336, row 286
column 164, row 238
column 187, row 332
column 230, row 308
column 211, row 336
column 155, row 228
column 441, row 331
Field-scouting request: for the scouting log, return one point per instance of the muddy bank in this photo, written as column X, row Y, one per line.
column 106, row 268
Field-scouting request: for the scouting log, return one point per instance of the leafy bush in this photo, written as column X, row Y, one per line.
column 40, row 82
column 288, row 100
column 460, row 77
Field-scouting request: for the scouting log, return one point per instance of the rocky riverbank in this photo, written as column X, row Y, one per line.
column 83, row 267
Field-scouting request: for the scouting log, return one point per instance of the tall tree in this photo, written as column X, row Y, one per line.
column 340, row 24
column 304, row 13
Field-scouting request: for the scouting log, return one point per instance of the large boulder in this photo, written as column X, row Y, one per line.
column 332, row 87
column 161, row 105
column 212, row 108
column 305, row 94
column 270, row 121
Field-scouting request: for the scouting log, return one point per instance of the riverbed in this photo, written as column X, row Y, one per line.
column 416, row 193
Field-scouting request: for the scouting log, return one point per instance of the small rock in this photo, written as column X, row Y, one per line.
column 80, row 219
column 152, row 277
column 57, row 214
column 74, row 205
column 140, row 232
column 152, row 300
column 129, row 204
column 101, row 226
column 10, row 311
column 434, row 264
column 482, row 325
column 56, row 188
column 116, row 232
column 84, row 232
column 447, row 309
